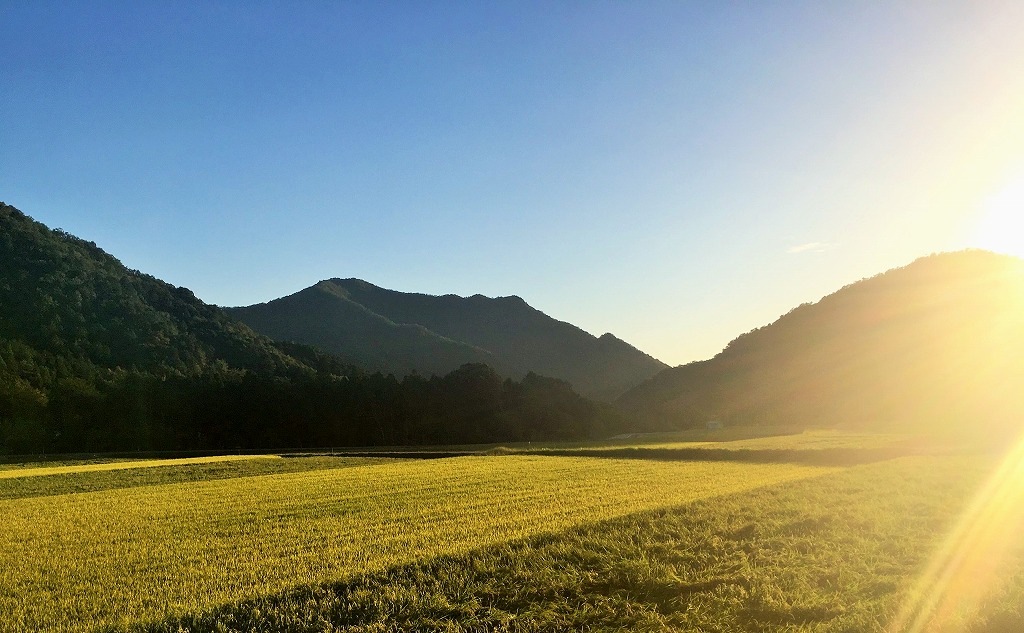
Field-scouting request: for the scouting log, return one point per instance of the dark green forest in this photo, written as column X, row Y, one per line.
column 97, row 357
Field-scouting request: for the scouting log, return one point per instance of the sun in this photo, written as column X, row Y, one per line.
column 1000, row 226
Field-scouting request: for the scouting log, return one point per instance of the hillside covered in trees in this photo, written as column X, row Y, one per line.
column 403, row 332
column 936, row 346
column 96, row 357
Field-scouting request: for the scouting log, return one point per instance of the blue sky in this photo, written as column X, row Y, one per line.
column 676, row 173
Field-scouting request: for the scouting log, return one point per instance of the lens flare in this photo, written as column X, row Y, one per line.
column 971, row 561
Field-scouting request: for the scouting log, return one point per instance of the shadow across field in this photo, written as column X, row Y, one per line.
column 780, row 558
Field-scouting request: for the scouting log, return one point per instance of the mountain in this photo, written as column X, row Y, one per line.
column 97, row 357
column 64, row 296
column 935, row 346
column 403, row 332
column 326, row 317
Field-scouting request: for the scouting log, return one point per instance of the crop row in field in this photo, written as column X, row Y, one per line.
column 117, row 557
column 125, row 464
column 49, row 482
column 836, row 553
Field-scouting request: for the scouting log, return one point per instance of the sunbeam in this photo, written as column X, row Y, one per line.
column 968, row 564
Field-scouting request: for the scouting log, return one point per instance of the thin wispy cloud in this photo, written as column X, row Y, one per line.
column 811, row 247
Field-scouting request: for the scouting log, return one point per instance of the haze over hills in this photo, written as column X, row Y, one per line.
column 400, row 332
column 936, row 346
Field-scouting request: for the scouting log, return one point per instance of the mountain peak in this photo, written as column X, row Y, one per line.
column 361, row 321
column 352, row 283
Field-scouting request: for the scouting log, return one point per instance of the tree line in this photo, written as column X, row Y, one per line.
column 51, row 405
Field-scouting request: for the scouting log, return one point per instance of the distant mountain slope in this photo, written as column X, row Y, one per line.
column 936, row 345
column 317, row 315
column 398, row 331
column 64, row 296
column 97, row 357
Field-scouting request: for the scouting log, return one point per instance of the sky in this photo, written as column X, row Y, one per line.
column 676, row 173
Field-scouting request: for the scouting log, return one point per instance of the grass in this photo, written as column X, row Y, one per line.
column 505, row 543
column 118, row 557
column 836, row 553
column 757, row 437
column 821, row 447
column 33, row 470
column 734, row 437
column 823, row 438
column 24, row 463
column 819, row 439
column 49, row 481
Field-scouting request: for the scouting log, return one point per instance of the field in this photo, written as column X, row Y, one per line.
column 505, row 542
column 39, row 480
column 826, row 447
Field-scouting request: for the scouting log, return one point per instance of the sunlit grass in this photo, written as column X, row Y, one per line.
column 38, row 471
column 835, row 554
column 972, row 561
column 169, row 472
column 76, row 561
column 805, row 440
column 735, row 438
column 826, row 447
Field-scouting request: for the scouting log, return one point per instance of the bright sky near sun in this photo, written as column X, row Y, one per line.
column 676, row 173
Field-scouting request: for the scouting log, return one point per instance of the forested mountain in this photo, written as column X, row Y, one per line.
column 65, row 296
column 402, row 332
column 326, row 317
column 937, row 346
column 94, row 356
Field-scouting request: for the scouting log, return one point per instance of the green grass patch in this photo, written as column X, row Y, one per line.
column 836, row 553
column 118, row 557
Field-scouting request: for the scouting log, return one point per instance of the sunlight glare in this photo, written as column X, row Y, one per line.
column 1001, row 225
column 968, row 565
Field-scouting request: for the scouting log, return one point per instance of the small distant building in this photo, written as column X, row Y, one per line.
column 714, row 425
